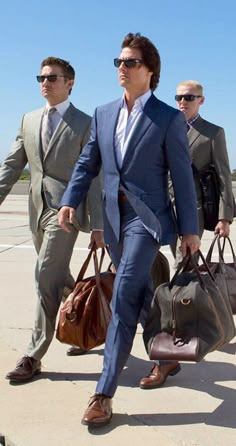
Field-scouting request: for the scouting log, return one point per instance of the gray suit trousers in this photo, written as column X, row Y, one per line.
column 54, row 247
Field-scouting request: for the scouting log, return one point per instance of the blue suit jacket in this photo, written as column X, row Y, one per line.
column 159, row 144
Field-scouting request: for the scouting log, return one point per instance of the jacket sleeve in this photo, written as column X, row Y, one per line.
column 180, row 166
column 221, row 162
column 94, row 195
column 86, row 169
column 13, row 165
column 95, row 203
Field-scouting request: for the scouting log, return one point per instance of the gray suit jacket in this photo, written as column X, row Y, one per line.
column 207, row 145
column 53, row 174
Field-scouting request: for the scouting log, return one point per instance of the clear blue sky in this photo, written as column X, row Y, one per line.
column 196, row 40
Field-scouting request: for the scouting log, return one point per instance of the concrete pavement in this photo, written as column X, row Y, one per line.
column 195, row 408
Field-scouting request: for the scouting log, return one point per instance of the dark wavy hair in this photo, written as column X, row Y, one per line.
column 150, row 55
column 66, row 67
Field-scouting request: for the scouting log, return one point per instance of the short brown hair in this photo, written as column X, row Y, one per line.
column 66, row 67
column 150, row 55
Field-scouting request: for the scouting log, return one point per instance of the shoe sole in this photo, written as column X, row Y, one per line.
column 94, row 425
column 172, row 373
column 19, row 381
column 175, row 371
column 81, row 353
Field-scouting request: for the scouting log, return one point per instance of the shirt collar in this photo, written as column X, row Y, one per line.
column 139, row 102
column 61, row 107
column 192, row 120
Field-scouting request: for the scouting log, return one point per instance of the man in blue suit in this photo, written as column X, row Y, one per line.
column 136, row 140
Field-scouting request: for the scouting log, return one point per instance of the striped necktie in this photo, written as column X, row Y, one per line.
column 47, row 129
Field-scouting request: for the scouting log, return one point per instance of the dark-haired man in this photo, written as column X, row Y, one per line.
column 137, row 140
column 50, row 141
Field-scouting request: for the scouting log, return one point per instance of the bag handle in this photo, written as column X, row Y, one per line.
column 223, row 248
column 184, row 265
column 98, row 283
column 102, row 257
column 84, row 266
column 97, row 269
column 87, row 260
column 220, row 250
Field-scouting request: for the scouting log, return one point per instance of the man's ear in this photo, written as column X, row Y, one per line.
column 71, row 83
column 202, row 100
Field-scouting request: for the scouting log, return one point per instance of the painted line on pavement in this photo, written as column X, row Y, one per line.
column 166, row 252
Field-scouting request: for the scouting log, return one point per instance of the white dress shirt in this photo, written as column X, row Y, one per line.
column 126, row 125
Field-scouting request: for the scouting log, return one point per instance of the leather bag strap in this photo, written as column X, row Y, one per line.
column 220, row 251
column 184, row 265
column 97, row 268
column 98, row 283
column 210, row 251
column 84, row 267
column 87, row 260
column 231, row 247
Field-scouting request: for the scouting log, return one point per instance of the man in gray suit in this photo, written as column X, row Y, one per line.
column 50, row 140
column 207, row 146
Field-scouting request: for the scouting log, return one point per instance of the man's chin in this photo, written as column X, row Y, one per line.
column 123, row 81
column 46, row 94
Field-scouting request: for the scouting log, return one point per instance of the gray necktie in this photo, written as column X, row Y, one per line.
column 47, row 129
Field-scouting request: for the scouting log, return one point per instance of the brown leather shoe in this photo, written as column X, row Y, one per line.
column 26, row 369
column 158, row 375
column 99, row 411
column 75, row 351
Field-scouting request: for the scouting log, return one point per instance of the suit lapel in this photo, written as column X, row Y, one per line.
column 37, row 120
column 111, row 129
column 195, row 131
column 141, row 127
column 192, row 136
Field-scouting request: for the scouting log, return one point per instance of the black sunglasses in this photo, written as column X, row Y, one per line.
column 129, row 63
column 186, row 97
column 50, row 77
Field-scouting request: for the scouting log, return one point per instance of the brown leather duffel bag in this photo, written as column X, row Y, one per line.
column 86, row 313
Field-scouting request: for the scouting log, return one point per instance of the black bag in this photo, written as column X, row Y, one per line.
column 224, row 273
column 160, row 270
column 189, row 317
column 209, row 184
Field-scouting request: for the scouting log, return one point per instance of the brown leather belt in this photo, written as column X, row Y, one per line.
column 122, row 197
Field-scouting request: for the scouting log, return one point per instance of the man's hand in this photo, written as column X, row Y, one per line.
column 222, row 228
column 190, row 241
column 66, row 217
column 96, row 239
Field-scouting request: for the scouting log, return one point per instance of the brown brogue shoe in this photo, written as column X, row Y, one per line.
column 99, row 411
column 75, row 351
column 26, row 369
column 158, row 375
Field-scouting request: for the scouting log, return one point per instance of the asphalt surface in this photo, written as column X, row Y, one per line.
column 197, row 407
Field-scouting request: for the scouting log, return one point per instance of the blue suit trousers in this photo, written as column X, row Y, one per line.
column 133, row 257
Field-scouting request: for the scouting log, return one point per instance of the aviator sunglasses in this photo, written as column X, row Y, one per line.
column 50, row 77
column 129, row 63
column 186, row 97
